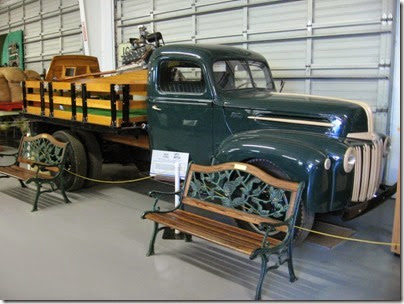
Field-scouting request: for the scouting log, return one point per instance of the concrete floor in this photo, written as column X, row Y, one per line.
column 94, row 249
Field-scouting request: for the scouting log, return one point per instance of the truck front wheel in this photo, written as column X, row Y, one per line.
column 305, row 217
column 76, row 161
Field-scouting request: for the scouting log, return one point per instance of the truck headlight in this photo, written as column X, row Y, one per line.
column 349, row 159
column 387, row 146
column 327, row 163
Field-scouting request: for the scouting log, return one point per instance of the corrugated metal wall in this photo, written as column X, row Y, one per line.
column 336, row 48
column 50, row 28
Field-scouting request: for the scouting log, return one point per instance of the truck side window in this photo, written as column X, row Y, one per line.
column 181, row 77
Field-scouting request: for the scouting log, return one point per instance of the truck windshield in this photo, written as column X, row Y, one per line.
column 239, row 74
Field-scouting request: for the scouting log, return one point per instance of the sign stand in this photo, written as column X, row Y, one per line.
column 168, row 165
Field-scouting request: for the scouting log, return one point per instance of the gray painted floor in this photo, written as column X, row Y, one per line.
column 94, row 249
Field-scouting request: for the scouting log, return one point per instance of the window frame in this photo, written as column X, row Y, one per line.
column 199, row 65
column 247, row 61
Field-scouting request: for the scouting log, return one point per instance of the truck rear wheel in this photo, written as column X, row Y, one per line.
column 305, row 217
column 93, row 155
column 76, row 161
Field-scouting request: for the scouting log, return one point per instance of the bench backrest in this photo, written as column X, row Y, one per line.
column 242, row 191
column 42, row 149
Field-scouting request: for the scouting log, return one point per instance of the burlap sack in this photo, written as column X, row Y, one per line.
column 4, row 90
column 31, row 75
column 15, row 91
column 13, row 74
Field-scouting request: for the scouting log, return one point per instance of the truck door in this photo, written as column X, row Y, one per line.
column 180, row 109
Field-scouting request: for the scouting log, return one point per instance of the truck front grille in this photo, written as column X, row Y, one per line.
column 368, row 172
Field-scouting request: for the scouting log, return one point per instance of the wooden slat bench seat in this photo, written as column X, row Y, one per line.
column 242, row 192
column 46, row 156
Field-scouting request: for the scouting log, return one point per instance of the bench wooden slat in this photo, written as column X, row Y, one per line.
column 174, row 221
column 216, row 227
column 230, row 230
column 237, row 214
column 21, row 173
column 202, row 219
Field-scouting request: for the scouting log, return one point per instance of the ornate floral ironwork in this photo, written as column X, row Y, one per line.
column 42, row 151
column 240, row 190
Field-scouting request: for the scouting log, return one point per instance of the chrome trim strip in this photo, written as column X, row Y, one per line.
column 365, row 173
column 380, row 165
column 293, row 121
column 357, row 176
column 364, row 105
column 364, row 136
column 184, row 103
column 373, row 171
column 171, row 99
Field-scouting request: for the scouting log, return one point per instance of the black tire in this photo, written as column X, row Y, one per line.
column 305, row 217
column 75, row 160
column 93, row 155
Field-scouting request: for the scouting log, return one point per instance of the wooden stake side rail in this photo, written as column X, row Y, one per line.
column 99, row 103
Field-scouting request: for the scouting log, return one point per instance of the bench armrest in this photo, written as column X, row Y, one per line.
column 43, row 166
column 157, row 195
column 267, row 228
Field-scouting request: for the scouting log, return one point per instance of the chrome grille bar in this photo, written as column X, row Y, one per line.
column 368, row 170
column 357, row 176
column 365, row 173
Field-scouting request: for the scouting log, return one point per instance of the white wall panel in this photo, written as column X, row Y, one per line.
column 327, row 11
column 279, row 16
column 223, row 23
column 71, row 20
column 54, row 22
column 347, row 50
column 177, row 29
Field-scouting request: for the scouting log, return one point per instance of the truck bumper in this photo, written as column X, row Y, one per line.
column 354, row 209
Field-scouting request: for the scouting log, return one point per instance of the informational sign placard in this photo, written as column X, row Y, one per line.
column 123, row 48
column 163, row 163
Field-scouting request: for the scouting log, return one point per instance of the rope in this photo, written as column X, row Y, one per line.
column 348, row 239
column 109, row 182
column 301, row 228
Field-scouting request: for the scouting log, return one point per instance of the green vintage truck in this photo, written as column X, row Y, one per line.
column 219, row 104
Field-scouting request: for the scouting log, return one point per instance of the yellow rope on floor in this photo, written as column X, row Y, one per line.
column 110, row 182
column 348, row 239
column 301, row 228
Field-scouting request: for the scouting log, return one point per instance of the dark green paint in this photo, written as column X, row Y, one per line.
column 223, row 132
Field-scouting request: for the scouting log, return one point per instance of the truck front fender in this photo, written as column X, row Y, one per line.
column 300, row 155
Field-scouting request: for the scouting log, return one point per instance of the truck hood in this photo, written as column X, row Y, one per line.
column 297, row 111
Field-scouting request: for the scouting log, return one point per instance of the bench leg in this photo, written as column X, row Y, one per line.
column 38, row 192
column 22, row 184
column 292, row 276
column 188, row 237
column 264, row 269
column 62, row 189
column 153, row 239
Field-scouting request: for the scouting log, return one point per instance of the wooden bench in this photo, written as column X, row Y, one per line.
column 242, row 192
column 46, row 156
